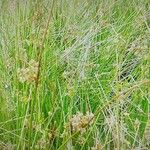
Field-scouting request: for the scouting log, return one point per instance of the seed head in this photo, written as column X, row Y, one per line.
column 79, row 122
column 28, row 74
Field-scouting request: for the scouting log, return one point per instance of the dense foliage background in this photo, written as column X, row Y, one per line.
column 75, row 74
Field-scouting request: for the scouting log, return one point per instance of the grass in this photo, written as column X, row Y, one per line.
column 74, row 74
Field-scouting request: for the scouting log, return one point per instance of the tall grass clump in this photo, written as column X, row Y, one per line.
column 75, row 74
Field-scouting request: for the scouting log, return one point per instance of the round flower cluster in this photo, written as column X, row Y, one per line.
column 97, row 147
column 29, row 73
column 79, row 122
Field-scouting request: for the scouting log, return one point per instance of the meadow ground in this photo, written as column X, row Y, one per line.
column 75, row 74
